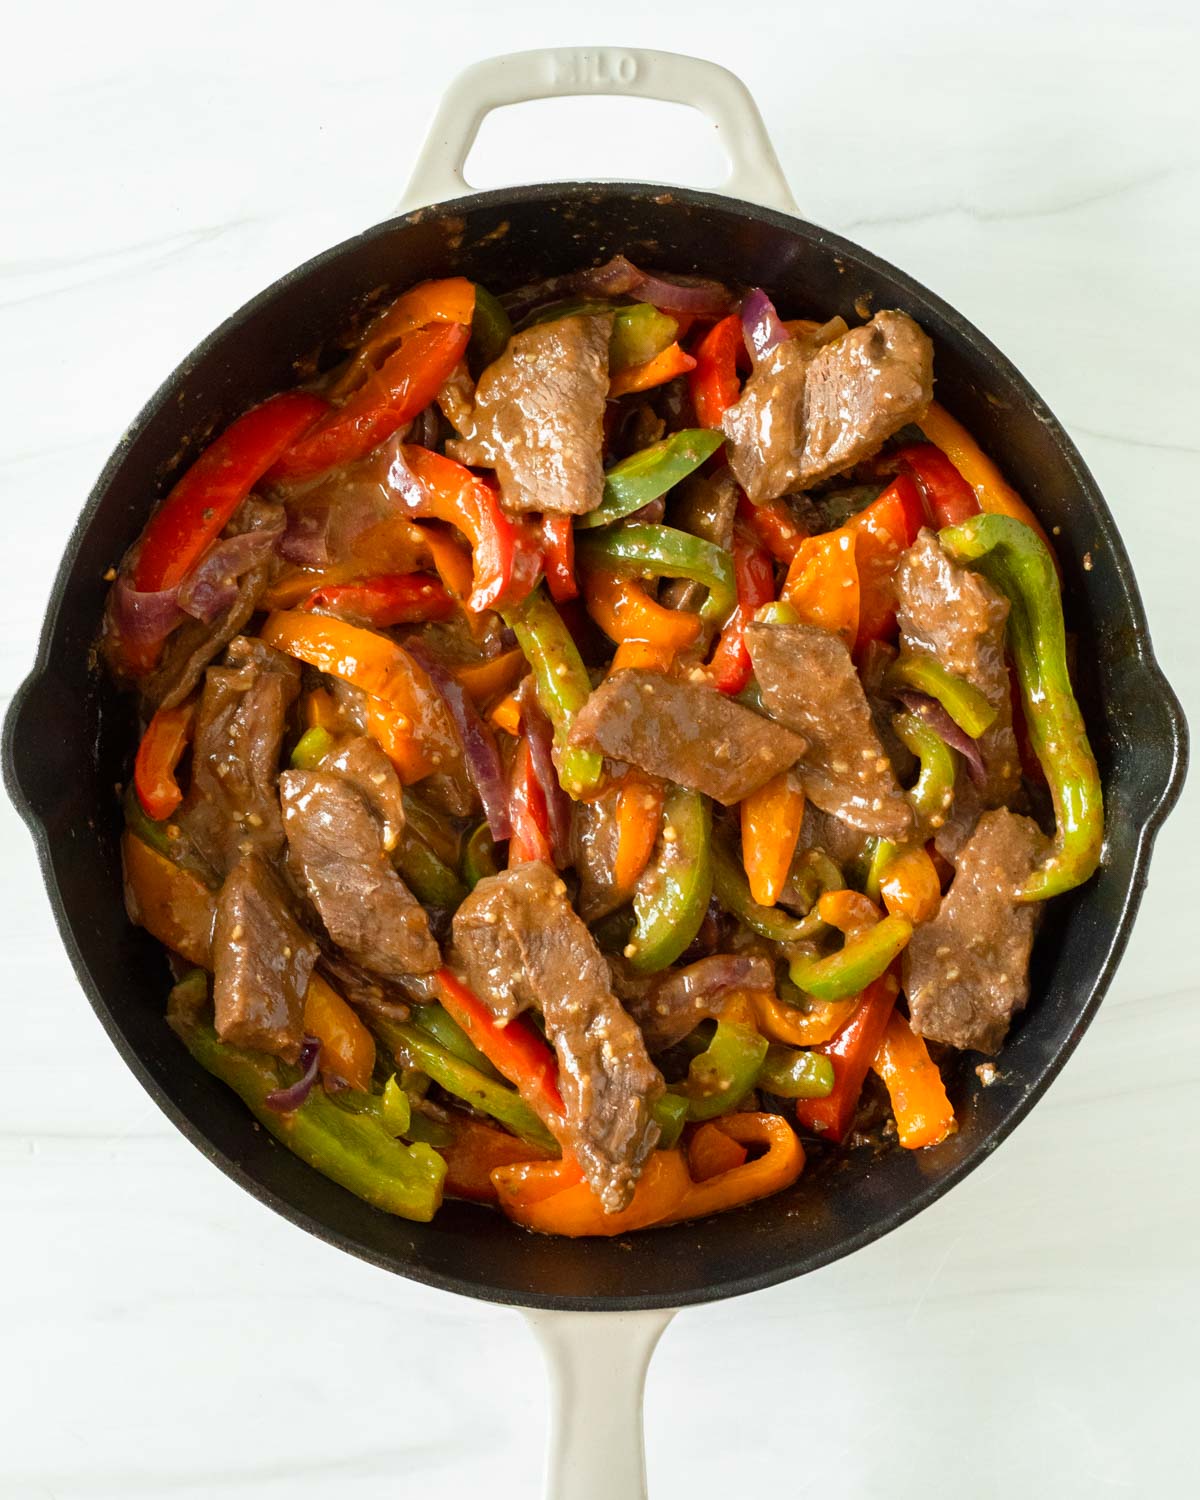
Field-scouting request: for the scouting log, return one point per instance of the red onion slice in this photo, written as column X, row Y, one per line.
column 944, row 726
column 478, row 744
column 212, row 585
column 539, row 736
column 292, row 1097
column 693, row 296
column 762, row 327
column 143, row 619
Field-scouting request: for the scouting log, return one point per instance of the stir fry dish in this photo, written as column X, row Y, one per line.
column 598, row 742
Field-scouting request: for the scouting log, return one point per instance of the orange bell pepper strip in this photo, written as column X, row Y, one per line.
column 672, row 361
column 771, row 819
column 774, row 526
column 822, row 583
column 507, row 715
column 406, row 382
column 882, row 531
column 993, row 491
column 558, row 561
column 754, row 573
column 475, row 1153
column 527, row 813
column 780, row 1022
column 910, row 887
column 924, row 1114
column 490, row 680
column 347, row 1047
column 171, row 903
column 714, row 382
column 531, row 1182
column 641, row 654
column 385, row 600
column 450, row 557
column 638, row 814
column 849, row 911
column 160, row 751
column 448, row 301
column 319, row 711
column 625, row 612
column 759, row 1178
column 851, row 1052
column 514, row 1049
column 711, row 1152
column 575, row 1211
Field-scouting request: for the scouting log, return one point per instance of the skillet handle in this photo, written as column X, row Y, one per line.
column 596, row 1364
column 634, row 72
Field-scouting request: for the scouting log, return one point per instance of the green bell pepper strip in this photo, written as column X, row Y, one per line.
column 639, row 330
column 139, row 822
column 965, row 704
column 1014, row 558
column 441, row 1025
column 861, row 960
column 431, row 882
column 561, row 682
column 793, row 1073
column 876, row 856
column 933, row 791
column 491, row 329
column 479, row 856
column 434, row 828
column 670, row 1114
column 311, row 748
column 662, row 551
column 777, row 612
column 644, row 476
column 751, row 697
column 672, row 896
column 356, row 1151
column 388, row 1109
column 397, row 1107
column 732, row 890
column 416, row 1048
column 725, row 1072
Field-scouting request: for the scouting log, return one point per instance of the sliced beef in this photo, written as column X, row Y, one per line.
column 336, row 848
column 705, row 505
column 843, row 843
column 231, row 807
column 954, row 615
column 685, row 732
column 518, row 943
column 805, row 415
column 808, row 682
column 262, row 959
column 676, row 1002
column 363, row 764
column 594, row 853
column 539, row 416
column 966, row 973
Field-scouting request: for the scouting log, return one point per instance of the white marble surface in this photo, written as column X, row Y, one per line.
column 1032, row 1334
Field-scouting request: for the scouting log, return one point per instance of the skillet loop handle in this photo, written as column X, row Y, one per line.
column 596, row 1365
column 633, row 72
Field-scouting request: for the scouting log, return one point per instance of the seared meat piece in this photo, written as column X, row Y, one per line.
column 232, row 808
column 843, row 843
column 518, row 943
column 363, row 764
column 675, row 1003
column 808, row 682
column 966, row 973
column 336, row 845
column 804, row 416
column 262, row 959
column 685, row 732
column 594, row 853
column 954, row 615
column 705, row 505
column 539, row 416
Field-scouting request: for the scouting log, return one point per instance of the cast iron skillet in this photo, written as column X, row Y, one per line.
column 68, row 737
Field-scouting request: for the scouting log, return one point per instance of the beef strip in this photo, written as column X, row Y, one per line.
column 594, row 853
column 843, row 843
column 539, row 416
column 336, row 846
column 705, row 505
column 685, row 732
column 231, row 807
column 262, row 959
column 805, row 415
column 966, row 973
column 518, row 943
column 674, row 1005
column 363, row 764
column 954, row 615
column 808, row 682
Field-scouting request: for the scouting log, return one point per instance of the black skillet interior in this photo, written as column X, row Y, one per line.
column 67, row 737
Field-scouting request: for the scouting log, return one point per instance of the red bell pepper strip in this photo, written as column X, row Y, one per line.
column 432, row 487
column 515, row 1049
column 527, row 813
column 204, row 500
column 948, row 496
column 851, row 1052
column 754, row 573
column 389, row 599
column 558, row 562
column 885, row 529
column 404, row 385
column 714, row 382
column 162, row 746
column 774, row 526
